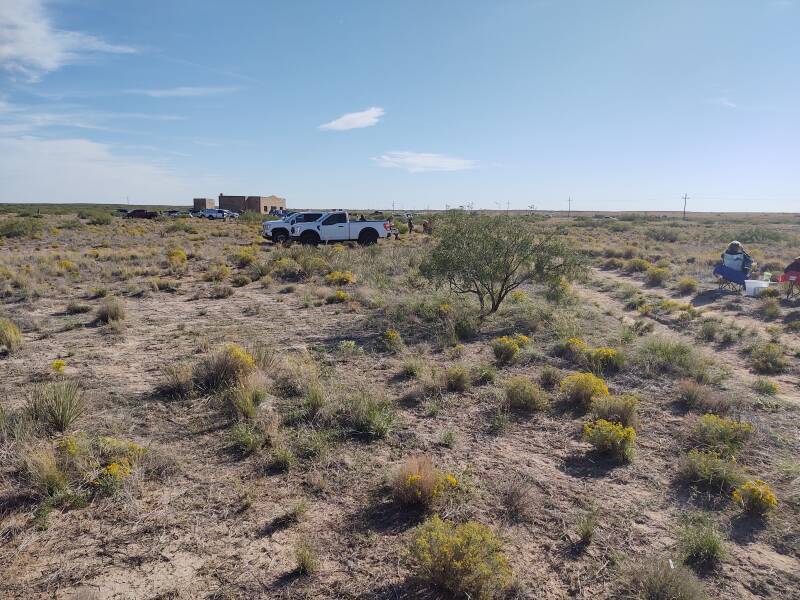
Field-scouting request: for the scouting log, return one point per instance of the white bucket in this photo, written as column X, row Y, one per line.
column 754, row 287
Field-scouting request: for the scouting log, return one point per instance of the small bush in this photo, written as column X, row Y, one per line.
column 10, row 336
column 701, row 545
column 44, row 471
column 337, row 297
column 687, row 285
column 281, row 459
column 506, row 348
column 605, row 361
column 483, row 374
column 418, row 484
column 217, row 272
column 657, row 276
column 770, row 309
column 617, row 409
column 524, row 394
column 306, row 558
column 550, row 377
column 755, row 497
column 57, row 405
column 457, row 378
column 656, row 356
column 412, row 367
column 219, row 291
column 765, row 387
column 368, row 416
column 581, row 388
column 111, row 309
column 75, row 308
column 610, row 438
column 637, row 265
column 177, row 382
column 656, row 579
column 572, row 349
column 246, row 437
column 240, row 280
column 245, row 256
column 287, row 269
column 177, row 257
column 710, row 471
column 464, row 560
column 340, row 278
column 614, row 264
column 223, row 369
column 767, row 358
column 721, row 435
column 701, row 397
column 392, row 341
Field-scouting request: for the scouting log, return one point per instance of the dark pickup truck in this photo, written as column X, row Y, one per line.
column 141, row 213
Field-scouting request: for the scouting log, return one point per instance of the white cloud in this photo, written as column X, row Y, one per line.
column 416, row 162
column 80, row 170
column 355, row 120
column 724, row 102
column 185, row 92
column 31, row 46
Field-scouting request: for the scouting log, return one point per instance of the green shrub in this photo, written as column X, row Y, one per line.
column 457, row 378
column 58, row 405
column 767, row 358
column 10, row 336
column 412, row 367
column 111, row 309
column 710, row 471
column 581, row 388
column 721, row 435
column 523, row 394
column 246, row 437
column 483, row 374
column 637, row 265
column 687, row 285
column 367, row 416
column 765, row 387
column 610, row 438
column 656, row 356
column 549, row 377
column 506, row 348
column 656, row 579
column 657, row 276
column 20, row 227
column 281, row 459
column 755, row 497
column 617, row 409
column 701, row 545
column 464, row 560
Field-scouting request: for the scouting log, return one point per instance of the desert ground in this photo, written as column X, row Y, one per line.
column 190, row 411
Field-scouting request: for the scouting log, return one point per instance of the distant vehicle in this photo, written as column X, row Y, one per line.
column 278, row 231
column 217, row 213
column 176, row 213
column 337, row 227
column 141, row 213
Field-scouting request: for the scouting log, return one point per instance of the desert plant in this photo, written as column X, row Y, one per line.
column 637, row 265
column 483, row 374
column 701, row 544
column 392, row 341
column 219, row 291
column 44, row 471
column 506, row 348
column 719, row 434
column 111, row 309
column 10, row 336
column 176, row 382
column 767, row 358
column 711, row 471
column 340, row 278
column 246, row 437
column 656, row 356
column 306, row 557
column 701, row 397
column 770, row 309
column 657, row 276
column 617, row 409
column 581, row 388
column 412, row 367
column 549, row 377
column 286, row 269
column 687, row 285
column 57, row 405
column 610, row 438
column 765, row 387
column 417, row 483
column 217, row 272
column 587, row 524
column 605, row 361
column 756, row 497
column 223, row 369
column 523, row 394
column 366, row 415
column 77, row 308
column 464, row 560
column 281, row 459
column 490, row 257
column 240, row 280
column 516, row 496
column 657, row 579
column 457, row 378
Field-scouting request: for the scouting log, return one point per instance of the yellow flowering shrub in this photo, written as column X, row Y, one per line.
column 517, row 297
column 245, row 256
column 287, row 269
column 217, row 272
column 524, row 394
column 605, row 360
column 391, row 340
column 505, row 349
column 177, row 257
column 464, row 560
column 58, row 366
column 581, row 388
column 610, row 438
column 755, row 497
column 418, row 483
column 337, row 297
column 340, row 278
column 67, row 265
column 721, row 434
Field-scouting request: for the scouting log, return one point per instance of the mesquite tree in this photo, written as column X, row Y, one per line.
column 489, row 257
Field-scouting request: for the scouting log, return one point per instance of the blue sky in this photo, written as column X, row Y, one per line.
column 620, row 105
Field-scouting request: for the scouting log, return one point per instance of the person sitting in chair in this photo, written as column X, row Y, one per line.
column 793, row 266
column 735, row 257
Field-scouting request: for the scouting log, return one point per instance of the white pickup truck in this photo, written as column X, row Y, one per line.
column 337, row 227
column 278, row 231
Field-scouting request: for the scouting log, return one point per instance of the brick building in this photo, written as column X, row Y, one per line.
column 259, row 204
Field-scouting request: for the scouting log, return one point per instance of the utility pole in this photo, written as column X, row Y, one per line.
column 685, row 198
column 569, row 206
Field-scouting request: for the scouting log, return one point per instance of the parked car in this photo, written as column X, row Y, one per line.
column 337, row 227
column 278, row 231
column 141, row 213
column 217, row 213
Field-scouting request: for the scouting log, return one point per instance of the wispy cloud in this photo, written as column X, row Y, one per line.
column 416, row 162
column 185, row 92
column 31, row 46
column 355, row 120
column 724, row 102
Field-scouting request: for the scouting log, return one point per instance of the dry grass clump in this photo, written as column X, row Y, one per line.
column 464, row 560
column 111, row 310
column 10, row 336
column 767, row 358
column 710, row 471
column 287, row 269
column 610, row 438
column 550, row 377
column 770, row 309
column 637, row 265
column 755, row 497
column 617, row 409
column 419, row 484
column 223, row 369
column 524, row 394
column 457, row 378
column 698, row 396
column 217, row 272
column 177, row 381
column 656, row 579
column 365, row 415
column 765, row 387
column 246, row 437
column 581, row 388
column 719, row 434
column 77, row 308
column 44, row 471
column 658, row 356
column 57, row 405
column 412, row 367
column 293, row 374
column 687, row 285
column 306, row 557
column 701, row 545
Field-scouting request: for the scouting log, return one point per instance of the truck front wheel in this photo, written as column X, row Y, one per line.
column 280, row 237
column 309, row 238
column 368, row 237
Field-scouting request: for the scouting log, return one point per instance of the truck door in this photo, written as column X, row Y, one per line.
column 334, row 228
